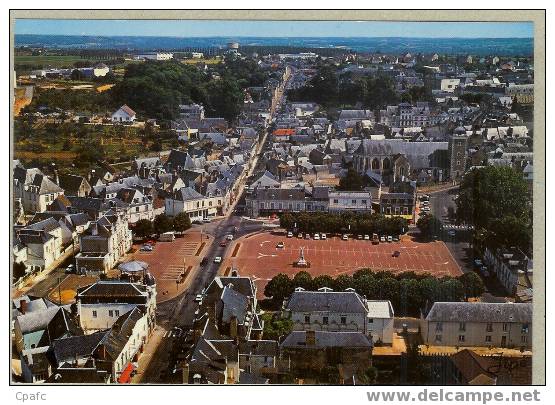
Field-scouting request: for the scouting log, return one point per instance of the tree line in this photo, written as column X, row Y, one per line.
column 363, row 223
column 408, row 292
column 162, row 223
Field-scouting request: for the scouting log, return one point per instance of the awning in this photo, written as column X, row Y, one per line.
column 125, row 377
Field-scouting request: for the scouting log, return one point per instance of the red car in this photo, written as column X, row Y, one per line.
column 223, row 243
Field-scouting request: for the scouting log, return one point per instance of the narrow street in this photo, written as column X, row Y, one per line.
column 175, row 316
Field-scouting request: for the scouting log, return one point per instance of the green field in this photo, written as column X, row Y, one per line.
column 44, row 61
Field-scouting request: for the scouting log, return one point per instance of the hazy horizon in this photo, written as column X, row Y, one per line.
column 274, row 29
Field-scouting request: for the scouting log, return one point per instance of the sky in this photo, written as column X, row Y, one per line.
column 197, row 28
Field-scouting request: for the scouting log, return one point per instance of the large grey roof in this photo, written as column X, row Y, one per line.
column 297, row 339
column 480, row 312
column 416, row 152
column 187, row 194
column 344, row 302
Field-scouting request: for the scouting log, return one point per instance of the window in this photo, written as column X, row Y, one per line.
column 438, row 338
column 523, row 339
column 94, row 314
column 461, row 338
column 110, row 313
column 336, row 201
column 439, row 327
column 371, row 320
column 363, row 201
column 488, row 338
column 462, row 326
column 307, row 319
column 354, row 201
column 525, row 328
column 137, row 209
column 489, row 327
column 505, row 327
column 325, row 320
column 117, row 312
column 343, row 320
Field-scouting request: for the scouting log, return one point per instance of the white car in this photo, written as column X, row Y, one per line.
column 390, row 239
column 316, row 236
column 345, row 237
column 366, row 237
column 218, row 259
column 323, row 236
column 289, row 234
column 382, row 238
column 229, row 237
column 198, row 298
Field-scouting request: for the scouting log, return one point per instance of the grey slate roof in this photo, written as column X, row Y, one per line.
column 344, row 302
column 480, row 312
column 235, row 305
column 187, row 194
column 297, row 339
column 68, row 349
column 416, row 152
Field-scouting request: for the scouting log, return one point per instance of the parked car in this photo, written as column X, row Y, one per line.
column 323, row 236
column 147, row 248
column 316, row 236
column 300, row 235
column 198, row 298
column 396, row 254
column 167, row 237
column 70, row 269
column 280, row 245
column 396, row 239
column 345, row 237
column 390, row 238
column 366, row 237
column 375, row 239
column 218, row 259
column 206, row 220
column 478, row 263
column 382, row 238
column 229, row 237
column 223, row 243
column 452, row 232
column 360, row 237
column 307, row 236
column 289, row 234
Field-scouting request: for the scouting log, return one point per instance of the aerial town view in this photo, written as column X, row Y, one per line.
column 342, row 208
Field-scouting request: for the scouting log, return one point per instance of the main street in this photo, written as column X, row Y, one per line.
column 175, row 316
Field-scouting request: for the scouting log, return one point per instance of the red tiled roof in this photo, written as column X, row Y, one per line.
column 284, row 131
column 128, row 110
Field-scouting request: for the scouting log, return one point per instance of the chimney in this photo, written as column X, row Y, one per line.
column 310, row 336
column 23, row 306
column 186, row 373
column 233, row 326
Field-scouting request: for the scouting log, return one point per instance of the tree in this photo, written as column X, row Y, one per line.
column 181, row 222
column 352, row 181
column 342, row 282
column 492, row 193
column 143, row 228
column 275, row 327
column 304, row 280
column 429, row 225
column 278, row 288
column 162, row 223
column 18, row 271
column 472, row 283
column 323, row 281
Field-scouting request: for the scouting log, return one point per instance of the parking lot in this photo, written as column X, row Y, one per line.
column 169, row 260
column 258, row 256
